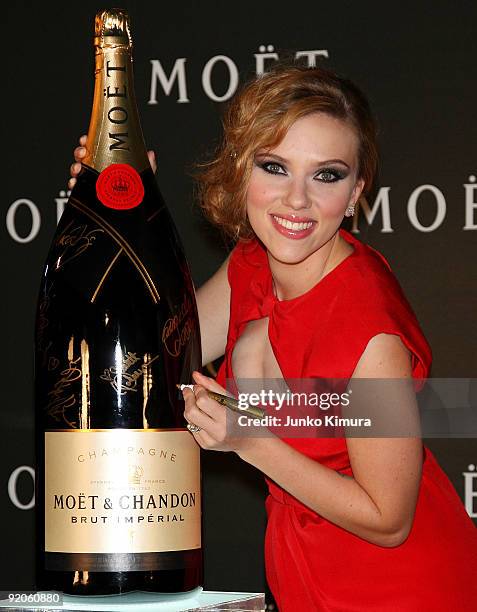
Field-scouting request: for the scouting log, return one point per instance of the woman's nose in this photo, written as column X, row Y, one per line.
column 297, row 195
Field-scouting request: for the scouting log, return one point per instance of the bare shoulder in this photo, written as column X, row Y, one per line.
column 385, row 356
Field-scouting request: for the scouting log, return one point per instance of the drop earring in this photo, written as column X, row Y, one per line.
column 350, row 211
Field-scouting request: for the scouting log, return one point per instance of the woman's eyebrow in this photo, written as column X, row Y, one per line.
column 318, row 163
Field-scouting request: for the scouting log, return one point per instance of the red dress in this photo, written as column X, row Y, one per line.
column 311, row 563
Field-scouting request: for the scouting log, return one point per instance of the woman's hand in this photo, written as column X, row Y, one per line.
column 79, row 154
column 215, row 421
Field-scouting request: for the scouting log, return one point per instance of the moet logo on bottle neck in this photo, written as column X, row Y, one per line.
column 117, row 115
column 115, row 135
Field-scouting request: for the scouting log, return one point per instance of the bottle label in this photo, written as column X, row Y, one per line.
column 119, row 186
column 121, row 491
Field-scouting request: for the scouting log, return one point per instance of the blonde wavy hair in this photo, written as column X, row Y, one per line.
column 258, row 117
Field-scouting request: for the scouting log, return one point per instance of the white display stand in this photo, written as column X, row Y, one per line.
column 194, row 601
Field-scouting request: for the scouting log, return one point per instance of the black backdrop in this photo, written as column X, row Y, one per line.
column 417, row 63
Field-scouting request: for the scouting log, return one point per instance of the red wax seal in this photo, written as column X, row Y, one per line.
column 119, row 186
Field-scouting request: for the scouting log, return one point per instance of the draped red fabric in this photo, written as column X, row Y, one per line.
column 311, row 563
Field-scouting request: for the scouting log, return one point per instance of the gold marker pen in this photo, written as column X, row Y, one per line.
column 231, row 403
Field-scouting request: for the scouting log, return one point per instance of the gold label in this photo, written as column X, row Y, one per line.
column 121, row 491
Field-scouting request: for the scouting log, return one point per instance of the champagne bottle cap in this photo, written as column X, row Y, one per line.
column 112, row 28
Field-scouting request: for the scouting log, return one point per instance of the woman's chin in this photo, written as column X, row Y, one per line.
column 288, row 256
column 287, row 250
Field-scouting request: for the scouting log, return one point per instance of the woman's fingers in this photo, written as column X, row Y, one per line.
column 79, row 153
column 199, row 410
column 211, row 418
column 207, row 414
column 208, row 383
column 75, row 169
column 206, row 404
column 194, row 410
column 152, row 160
column 204, row 440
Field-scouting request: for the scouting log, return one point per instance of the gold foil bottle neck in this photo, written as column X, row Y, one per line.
column 112, row 28
column 114, row 135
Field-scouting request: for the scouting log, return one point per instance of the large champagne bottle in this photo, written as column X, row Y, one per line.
column 118, row 476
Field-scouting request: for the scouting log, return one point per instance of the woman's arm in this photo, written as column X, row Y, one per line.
column 378, row 502
column 213, row 304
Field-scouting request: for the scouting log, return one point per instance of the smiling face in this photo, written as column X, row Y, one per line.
column 299, row 191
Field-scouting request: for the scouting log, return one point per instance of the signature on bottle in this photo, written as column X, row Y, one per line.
column 74, row 242
column 123, row 379
column 178, row 329
column 43, row 343
column 60, row 398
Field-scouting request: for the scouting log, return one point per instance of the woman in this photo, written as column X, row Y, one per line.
column 353, row 523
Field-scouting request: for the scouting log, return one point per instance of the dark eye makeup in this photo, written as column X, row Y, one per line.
column 331, row 175
column 325, row 175
column 271, row 167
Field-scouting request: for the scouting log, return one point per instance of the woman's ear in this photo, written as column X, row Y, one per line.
column 357, row 191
